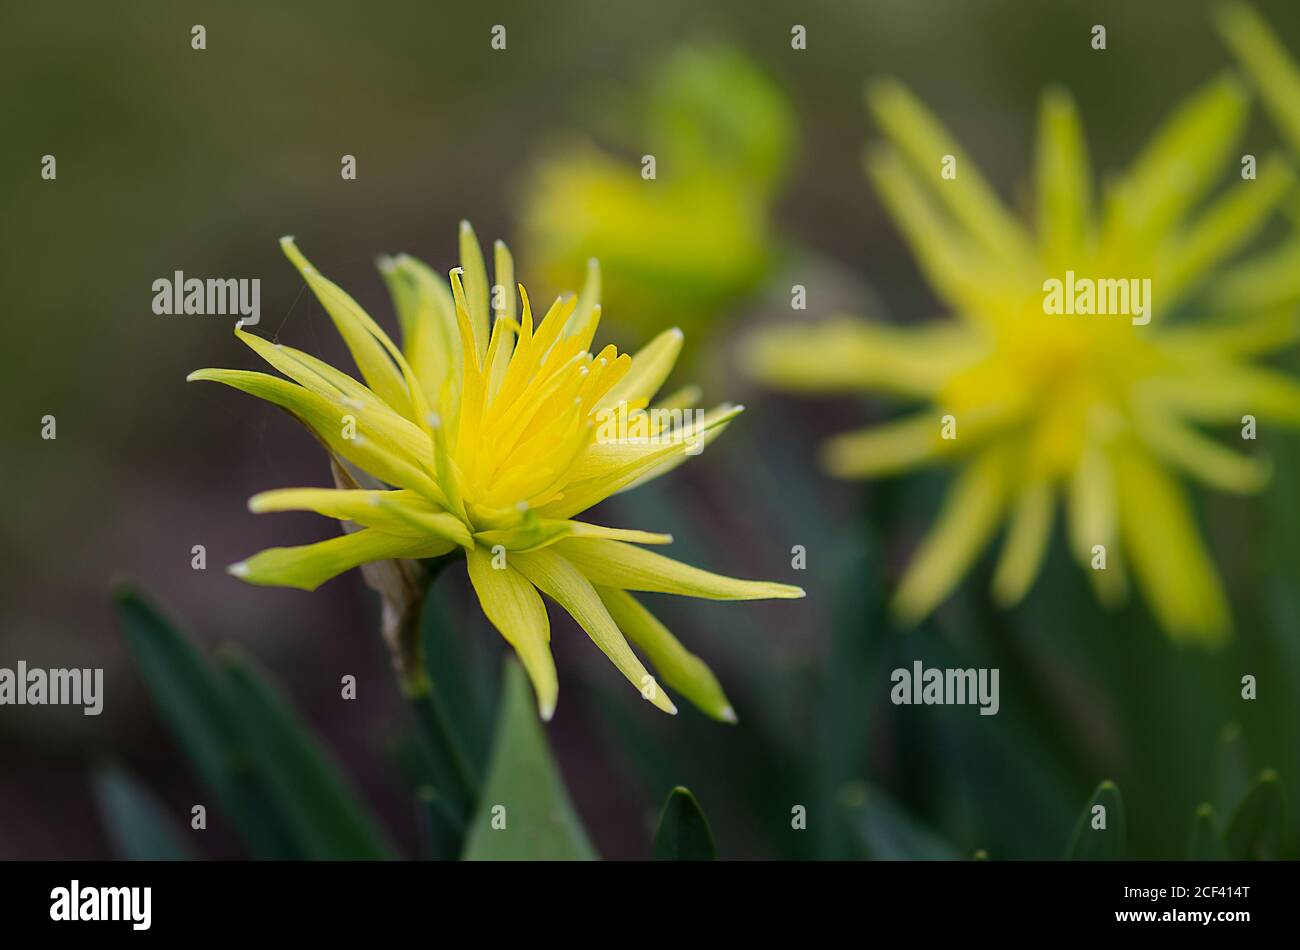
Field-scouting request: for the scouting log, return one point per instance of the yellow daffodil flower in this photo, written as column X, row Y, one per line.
column 485, row 434
column 1037, row 405
column 696, row 234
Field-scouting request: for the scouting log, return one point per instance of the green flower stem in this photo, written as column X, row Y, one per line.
column 458, row 782
column 459, row 785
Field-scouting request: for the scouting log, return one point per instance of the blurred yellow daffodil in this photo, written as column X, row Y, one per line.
column 1039, row 406
column 1274, row 277
column 484, row 429
column 681, row 225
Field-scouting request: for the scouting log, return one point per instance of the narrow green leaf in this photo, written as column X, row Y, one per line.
column 195, row 705
column 846, row 711
column 1256, row 829
column 524, row 811
column 442, row 754
column 886, row 832
column 1100, row 833
column 683, row 833
column 1231, row 769
column 439, row 831
column 322, row 811
column 137, row 823
column 457, row 671
column 1205, row 843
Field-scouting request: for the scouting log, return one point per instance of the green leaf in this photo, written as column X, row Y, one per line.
column 138, row 824
column 683, row 833
column 458, row 670
column 319, row 806
column 886, row 832
column 1256, row 829
column 1093, row 843
column 1205, row 843
column 439, row 831
column 1231, row 768
column 846, row 710
column 195, row 705
column 441, row 754
column 524, row 811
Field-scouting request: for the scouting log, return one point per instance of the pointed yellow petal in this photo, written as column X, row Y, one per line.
column 474, row 275
column 348, row 396
column 428, row 319
column 373, row 450
column 1261, row 281
column 528, row 533
column 680, row 669
column 503, row 270
column 310, row 565
column 581, row 529
column 970, row 200
column 582, row 325
column 1169, row 560
column 539, row 533
column 627, row 567
column 846, row 353
column 1176, row 168
column 1199, row 456
column 501, row 345
column 650, row 367
column 1261, row 331
column 312, row 373
column 891, row 447
column 964, row 274
column 360, row 333
column 966, row 522
column 514, row 607
column 504, row 322
column 695, row 436
column 563, row 583
column 1234, row 391
column 1064, row 180
column 1093, row 510
column 450, row 477
column 1273, row 71
column 610, row 467
column 359, row 505
column 438, row 524
column 1025, row 544
column 1220, row 231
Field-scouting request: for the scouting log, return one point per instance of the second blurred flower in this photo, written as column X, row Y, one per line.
column 680, row 221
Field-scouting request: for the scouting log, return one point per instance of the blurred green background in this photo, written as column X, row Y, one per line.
column 170, row 158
